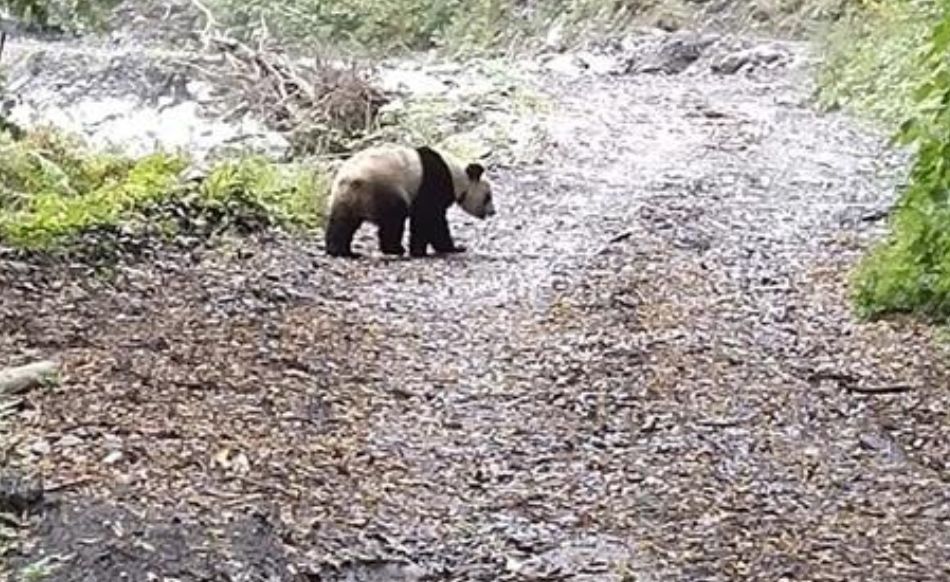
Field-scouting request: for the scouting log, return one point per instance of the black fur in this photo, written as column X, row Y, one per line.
column 389, row 212
column 339, row 233
column 428, row 224
column 474, row 172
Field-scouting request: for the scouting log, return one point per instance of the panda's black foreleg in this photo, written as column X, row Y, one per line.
column 441, row 236
column 420, row 231
column 338, row 236
column 430, row 227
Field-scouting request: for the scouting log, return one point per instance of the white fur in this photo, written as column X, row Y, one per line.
column 399, row 166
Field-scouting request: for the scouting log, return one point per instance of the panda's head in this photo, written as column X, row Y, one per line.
column 476, row 197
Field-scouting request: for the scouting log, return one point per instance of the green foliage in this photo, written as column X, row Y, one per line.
column 283, row 195
column 387, row 25
column 64, row 14
column 870, row 60
column 493, row 26
column 40, row 570
column 52, row 191
column 910, row 271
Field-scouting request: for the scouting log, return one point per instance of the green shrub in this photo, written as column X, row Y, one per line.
column 284, row 195
column 910, row 270
column 52, row 190
column 62, row 14
column 870, row 63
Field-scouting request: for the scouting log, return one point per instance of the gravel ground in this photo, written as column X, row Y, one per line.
column 644, row 368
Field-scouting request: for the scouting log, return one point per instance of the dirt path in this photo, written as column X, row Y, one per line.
column 644, row 369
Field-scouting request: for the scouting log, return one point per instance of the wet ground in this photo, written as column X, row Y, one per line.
column 645, row 368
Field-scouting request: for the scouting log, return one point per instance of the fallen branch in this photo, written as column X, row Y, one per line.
column 314, row 104
column 873, row 390
column 23, row 378
column 66, row 485
column 851, row 383
column 876, row 215
column 621, row 237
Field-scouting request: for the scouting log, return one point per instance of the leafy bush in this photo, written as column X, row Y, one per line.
column 62, row 14
column 910, row 271
column 52, row 191
column 870, row 62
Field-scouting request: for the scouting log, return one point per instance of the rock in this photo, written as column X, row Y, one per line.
column 102, row 110
column 554, row 39
column 565, row 64
column 411, row 81
column 68, row 441
column 748, row 59
column 674, row 55
column 112, row 458
column 18, row 495
column 19, row 379
column 41, row 447
column 668, row 21
column 600, row 64
column 202, row 91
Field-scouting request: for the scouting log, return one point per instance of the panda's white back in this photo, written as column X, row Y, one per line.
column 389, row 165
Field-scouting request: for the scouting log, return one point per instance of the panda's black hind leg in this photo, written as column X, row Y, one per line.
column 390, row 236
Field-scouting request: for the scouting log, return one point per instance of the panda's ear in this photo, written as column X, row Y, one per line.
column 474, row 172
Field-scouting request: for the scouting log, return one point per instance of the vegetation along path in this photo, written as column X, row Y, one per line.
column 644, row 368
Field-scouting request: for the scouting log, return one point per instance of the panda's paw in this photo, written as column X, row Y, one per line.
column 394, row 251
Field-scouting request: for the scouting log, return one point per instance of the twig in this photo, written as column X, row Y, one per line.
column 66, row 485
column 210, row 21
column 876, row 215
column 10, row 520
column 884, row 389
column 723, row 422
column 272, row 486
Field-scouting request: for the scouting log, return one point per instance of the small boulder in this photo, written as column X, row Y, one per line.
column 748, row 59
column 674, row 54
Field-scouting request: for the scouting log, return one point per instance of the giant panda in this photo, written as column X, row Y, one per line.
column 386, row 184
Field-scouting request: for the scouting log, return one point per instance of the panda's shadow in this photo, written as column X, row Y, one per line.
column 459, row 258
column 383, row 259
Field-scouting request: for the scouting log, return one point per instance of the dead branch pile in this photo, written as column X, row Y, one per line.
column 321, row 106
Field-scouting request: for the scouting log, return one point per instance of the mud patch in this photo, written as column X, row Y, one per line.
column 87, row 541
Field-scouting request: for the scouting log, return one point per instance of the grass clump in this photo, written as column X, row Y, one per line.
column 910, row 270
column 285, row 195
column 53, row 192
